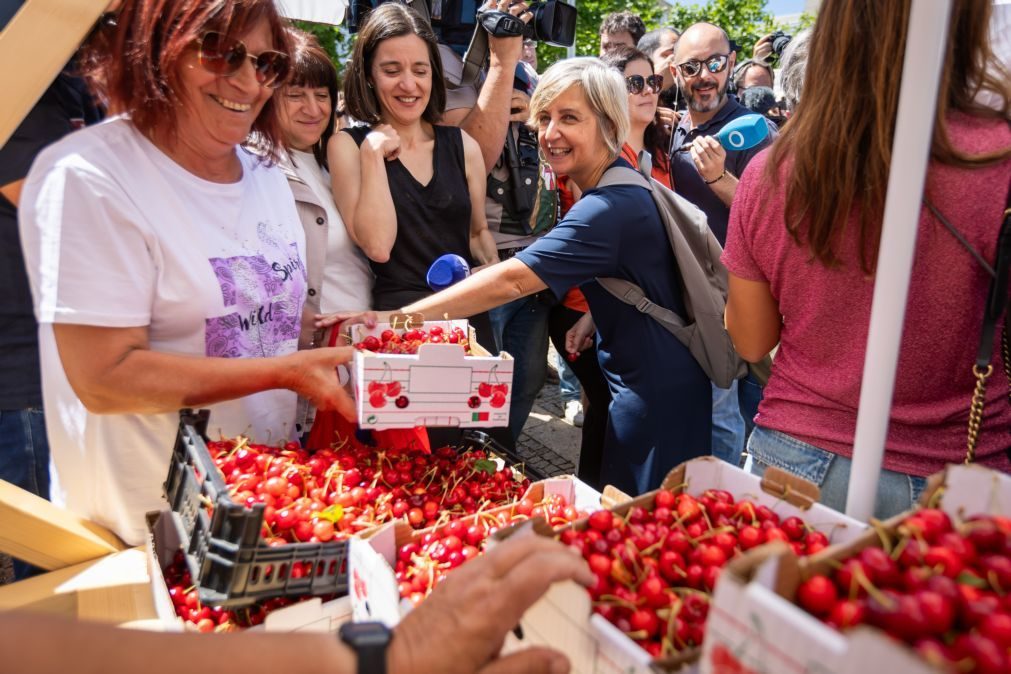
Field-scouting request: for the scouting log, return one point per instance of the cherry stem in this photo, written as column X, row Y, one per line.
column 874, row 592
column 883, row 535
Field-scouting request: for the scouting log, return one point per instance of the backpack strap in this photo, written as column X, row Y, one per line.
column 630, row 293
column 622, row 175
column 626, row 291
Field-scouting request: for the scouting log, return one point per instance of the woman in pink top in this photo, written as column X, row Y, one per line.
column 803, row 238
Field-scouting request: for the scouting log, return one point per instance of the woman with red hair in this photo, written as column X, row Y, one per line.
column 167, row 263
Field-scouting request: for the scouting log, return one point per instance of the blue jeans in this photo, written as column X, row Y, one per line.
column 568, row 383
column 521, row 330
column 749, row 394
column 728, row 425
column 897, row 492
column 24, row 458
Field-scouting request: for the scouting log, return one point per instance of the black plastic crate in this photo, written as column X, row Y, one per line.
column 228, row 560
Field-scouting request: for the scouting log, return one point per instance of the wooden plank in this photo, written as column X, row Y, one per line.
column 40, row 533
column 115, row 589
column 34, row 47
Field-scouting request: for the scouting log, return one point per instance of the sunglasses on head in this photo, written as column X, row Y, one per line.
column 224, row 56
column 714, row 64
column 636, row 83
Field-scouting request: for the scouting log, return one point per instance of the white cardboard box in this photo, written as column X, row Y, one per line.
column 439, row 386
column 755, row 627
column 373, row 586
column 312, row 615
column 563, row 619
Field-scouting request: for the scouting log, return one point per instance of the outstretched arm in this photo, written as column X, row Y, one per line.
column 114, row 371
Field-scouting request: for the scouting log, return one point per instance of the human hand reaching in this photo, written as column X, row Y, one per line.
column 312, row 374
column 461, row 626
column 579, row 337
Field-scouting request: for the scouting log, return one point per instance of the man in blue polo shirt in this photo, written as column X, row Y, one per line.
column 706, row 175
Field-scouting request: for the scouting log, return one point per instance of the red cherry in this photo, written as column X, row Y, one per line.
column 644, row 620
column 377, row 399
column 498, row 399
column 572, row 357
column 846, row 614
column 377, row 387
column 473, row 402
column 402, row 402
column 817, row 595
column 601, row 520
column 393, row 389
column 484, row 390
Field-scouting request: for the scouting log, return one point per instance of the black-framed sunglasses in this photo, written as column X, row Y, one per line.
column 636, row 83
column 224, row 56
column 714, row 64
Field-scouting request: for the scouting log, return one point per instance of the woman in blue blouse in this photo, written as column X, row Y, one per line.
column 661, row 408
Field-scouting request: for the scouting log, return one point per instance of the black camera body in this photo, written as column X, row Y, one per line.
column 554, row 22
column 454, row 21
column 779, row 42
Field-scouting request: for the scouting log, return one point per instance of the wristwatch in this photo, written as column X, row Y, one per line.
column 369, row 640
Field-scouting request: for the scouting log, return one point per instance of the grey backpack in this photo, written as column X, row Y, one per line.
column 703, row 279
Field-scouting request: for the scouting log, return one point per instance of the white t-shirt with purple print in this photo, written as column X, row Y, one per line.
column 116, row 234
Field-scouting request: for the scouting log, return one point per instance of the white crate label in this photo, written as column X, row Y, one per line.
column 440, row 379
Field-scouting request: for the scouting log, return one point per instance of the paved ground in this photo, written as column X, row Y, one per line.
column 549, row 443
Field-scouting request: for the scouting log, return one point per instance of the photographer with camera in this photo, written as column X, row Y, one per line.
column 483, row 109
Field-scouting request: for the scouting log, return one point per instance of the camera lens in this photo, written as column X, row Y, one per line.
column 779, row 42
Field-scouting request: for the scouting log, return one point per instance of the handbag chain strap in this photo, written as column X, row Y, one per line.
column 997, row 299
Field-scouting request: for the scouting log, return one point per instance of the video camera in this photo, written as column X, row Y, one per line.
column 455, row 21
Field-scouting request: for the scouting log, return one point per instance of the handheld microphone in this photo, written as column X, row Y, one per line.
column 446, row 271
column 743, row 133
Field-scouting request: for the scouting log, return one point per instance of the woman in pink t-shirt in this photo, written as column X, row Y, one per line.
column 802, row 246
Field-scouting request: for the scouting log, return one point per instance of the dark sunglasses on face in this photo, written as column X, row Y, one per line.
column 636, row 83
column 224, row 56
column 714, row 64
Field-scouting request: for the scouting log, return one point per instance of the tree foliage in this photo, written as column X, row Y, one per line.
column 335, row 40
column 744, row 20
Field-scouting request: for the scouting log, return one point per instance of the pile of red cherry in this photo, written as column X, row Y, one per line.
column 331, row 494
column 186, row 602
column 656, row 567
column 408, row 341
column 944, row 591
column 424, row 561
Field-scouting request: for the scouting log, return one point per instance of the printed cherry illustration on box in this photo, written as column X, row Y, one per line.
column 381, row 390
column 493, row 389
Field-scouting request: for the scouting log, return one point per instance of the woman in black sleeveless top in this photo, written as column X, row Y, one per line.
column 407, row 189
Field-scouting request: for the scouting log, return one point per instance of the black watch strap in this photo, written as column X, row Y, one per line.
column 369, row 641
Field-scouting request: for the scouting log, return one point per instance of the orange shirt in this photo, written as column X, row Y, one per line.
column 660, row 175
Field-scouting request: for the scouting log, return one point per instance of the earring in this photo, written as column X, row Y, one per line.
column 369, row 83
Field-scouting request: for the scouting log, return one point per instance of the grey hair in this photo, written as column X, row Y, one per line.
column 793, row 65
column 605, row 91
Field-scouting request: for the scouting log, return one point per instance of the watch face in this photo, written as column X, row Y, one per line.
column 365, row 634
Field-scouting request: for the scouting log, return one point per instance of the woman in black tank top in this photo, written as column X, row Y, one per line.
column 408, row 190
